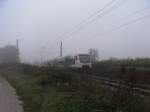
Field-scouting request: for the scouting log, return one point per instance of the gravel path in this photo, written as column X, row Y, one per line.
column 8, row 99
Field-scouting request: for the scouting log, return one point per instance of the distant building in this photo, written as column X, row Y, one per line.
column 9, row 54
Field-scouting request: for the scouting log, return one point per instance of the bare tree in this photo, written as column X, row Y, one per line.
column 94, row 55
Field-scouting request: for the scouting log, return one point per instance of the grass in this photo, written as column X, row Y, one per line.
column 47, row 89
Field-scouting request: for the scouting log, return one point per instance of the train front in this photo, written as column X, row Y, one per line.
column 85, row 61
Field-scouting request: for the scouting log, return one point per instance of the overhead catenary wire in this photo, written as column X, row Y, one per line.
column 81, row 27
column 86, row 20
column 132, row 14
column 92, row 15
column 97, row 16
column 125, row 24
column 129, row 15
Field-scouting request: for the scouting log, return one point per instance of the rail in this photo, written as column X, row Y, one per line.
column 141, row 89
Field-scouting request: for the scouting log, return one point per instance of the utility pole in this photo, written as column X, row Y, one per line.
column 17, row 44
column 61, row 49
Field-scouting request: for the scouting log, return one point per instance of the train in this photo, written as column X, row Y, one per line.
column 78, row 61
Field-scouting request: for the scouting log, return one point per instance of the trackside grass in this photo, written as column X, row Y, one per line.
column 48, row 89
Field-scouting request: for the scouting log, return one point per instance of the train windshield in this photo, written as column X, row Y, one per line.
column 84, row 58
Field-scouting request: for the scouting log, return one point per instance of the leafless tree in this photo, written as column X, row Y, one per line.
column 94, row 55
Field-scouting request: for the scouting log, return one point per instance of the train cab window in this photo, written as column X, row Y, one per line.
column 84, row 58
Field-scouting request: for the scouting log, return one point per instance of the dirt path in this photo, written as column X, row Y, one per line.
column 8, row 99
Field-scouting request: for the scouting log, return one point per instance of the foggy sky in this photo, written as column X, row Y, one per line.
column 41, row 24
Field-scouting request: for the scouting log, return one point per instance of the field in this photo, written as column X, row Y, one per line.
column 51, row 89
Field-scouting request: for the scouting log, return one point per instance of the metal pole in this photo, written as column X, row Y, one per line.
column 17, row 44
column 61, row 49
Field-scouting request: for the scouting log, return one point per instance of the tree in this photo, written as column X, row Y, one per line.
column 94, row 55
column 9, row 54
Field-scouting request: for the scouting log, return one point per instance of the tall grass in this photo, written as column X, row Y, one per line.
column 50, row 89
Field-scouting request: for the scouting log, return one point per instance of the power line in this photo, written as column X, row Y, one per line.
column 86, row 20
column 125, row 24
column 107, row 12
column 97, row 17
column 94, row 14
column 132, row 14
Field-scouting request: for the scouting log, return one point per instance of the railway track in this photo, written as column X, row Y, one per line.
column 141, row 89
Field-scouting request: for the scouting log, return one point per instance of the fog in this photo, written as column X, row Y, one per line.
column 40, row 25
